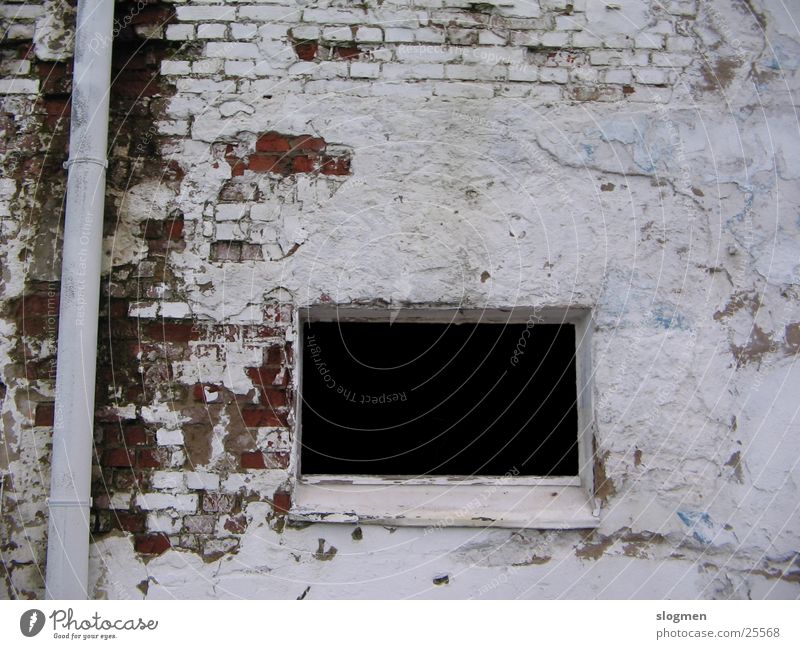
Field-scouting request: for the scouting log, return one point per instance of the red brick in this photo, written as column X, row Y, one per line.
column 148, row 459
column 135, row 435
column 308, row 144
column 268, row 376
column 38, row 305
column 237, row 166
column 264, row 162
column 303, row 164
column 276, row 460
column 175, row 228
column 118, row 457
column 218, row 502
column 118, row 308
column 252, row 252
column 282, row 501
column 36, row 327
column 335, row 166
column 128, row 521
column 226, row 251
column 306, row 50
column 152, row 543
column 273, row 355
column 200, row 389
column 44, row 370
column 153, row 229
column 275, row 398
column 253, row 460
column 256, row 416
column 171, row 332
column 155, row 15
column 272, row 142
column 236, row 524
column 135, row 84
column 111, row 436
column 346, row 52
column 45, row 414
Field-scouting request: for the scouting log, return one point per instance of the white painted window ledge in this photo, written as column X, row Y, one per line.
column 436, row 505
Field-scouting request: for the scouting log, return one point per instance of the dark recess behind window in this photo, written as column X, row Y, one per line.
column 436, row 399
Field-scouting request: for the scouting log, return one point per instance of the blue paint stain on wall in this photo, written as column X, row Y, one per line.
column 700, row 525
column 588, row 151
column 669, row 318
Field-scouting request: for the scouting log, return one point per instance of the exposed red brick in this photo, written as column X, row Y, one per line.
column 236, row 524
column 263, row 163
column 38, row 326
column 118, row 307
column 171, row 332
column 253, row 460
column 237, row 166
column 226, row 251
column 153, row 229
column 135, row 435
column 152, row 543
column 276, row 460
column 56, row 108
column 259, row 332
column 308, row 144
column 45, row 414
column 148, row 459
column 218, row 502
column 335, row 166
column 252, row 252
column 303, row 164
column 175, row 228
column 346, row 52
column 275, row 398
column 306, row 50
column 38, row 305
column 273, row 355
column 200, row 389
column 272, row 142
column 135, row 84
column 118, row 457
column 128, row 521
column 256, row 416
column 271, row 376
column 282, row 501
column 154, row 15
column 40, row 370
column 111, row 436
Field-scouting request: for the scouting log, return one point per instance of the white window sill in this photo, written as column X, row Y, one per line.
column 443, row 505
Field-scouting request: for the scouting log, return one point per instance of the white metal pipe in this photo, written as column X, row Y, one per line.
column 68, row 533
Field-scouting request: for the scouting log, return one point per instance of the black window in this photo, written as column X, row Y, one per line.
column 421, row 398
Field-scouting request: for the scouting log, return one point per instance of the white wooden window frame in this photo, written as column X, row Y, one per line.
column 452, row 501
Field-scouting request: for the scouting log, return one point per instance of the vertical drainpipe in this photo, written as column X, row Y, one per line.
column 70, row 497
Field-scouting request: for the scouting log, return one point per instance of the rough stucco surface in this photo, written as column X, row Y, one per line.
column 639, row 158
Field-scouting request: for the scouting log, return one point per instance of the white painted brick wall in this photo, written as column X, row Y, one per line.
column 558, row 117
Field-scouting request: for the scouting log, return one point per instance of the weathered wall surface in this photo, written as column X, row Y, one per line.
column 636, row 157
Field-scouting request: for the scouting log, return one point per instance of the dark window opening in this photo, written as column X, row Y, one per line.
column 418, row 399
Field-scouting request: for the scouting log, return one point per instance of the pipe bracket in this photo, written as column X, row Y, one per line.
column 98, row 161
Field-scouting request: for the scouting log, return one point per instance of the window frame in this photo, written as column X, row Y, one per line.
column 560, row 502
